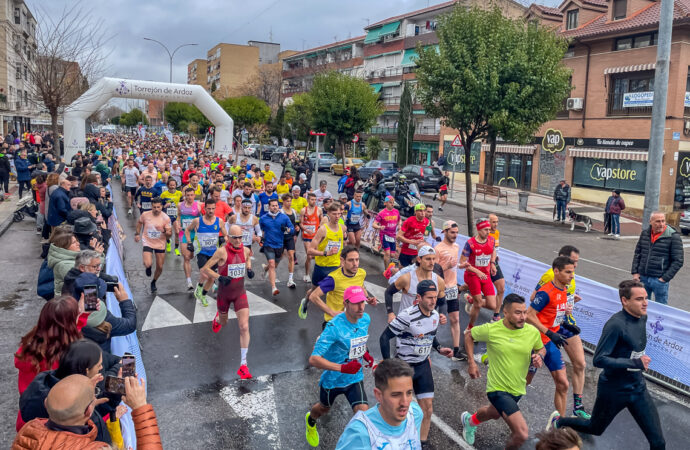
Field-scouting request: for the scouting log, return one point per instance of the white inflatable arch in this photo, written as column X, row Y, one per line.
column 107, row 88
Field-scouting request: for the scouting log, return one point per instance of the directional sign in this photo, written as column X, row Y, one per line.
column 456, row 142
column 315, row 133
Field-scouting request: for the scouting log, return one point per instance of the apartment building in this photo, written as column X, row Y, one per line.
column 196, row 73
column 299, row 69
column 18, row 105
column 600, row 140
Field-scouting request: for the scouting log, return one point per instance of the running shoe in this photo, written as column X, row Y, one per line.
column 204, row 300
column 312, row 433
column 177, row 251
column 291, row 284
column 276, row 291
column 440, row 209
column 496, row 317
column 167, row 247
column 148, row 271
column 215, row 325
column 243, row 372
column 459, row 355
column 190, row 285
column 306, row 279
column 582, row 414
column 302, row 310
column 553, row 421
column 435, row 195
column 129, row 211
column 468, row 305
column 153, row 286
column 467, row 429
column 388, row 272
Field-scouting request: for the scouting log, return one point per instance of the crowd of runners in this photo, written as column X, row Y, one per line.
column 235, row 219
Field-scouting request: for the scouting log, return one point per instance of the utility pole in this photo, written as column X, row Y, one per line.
column 656, row 133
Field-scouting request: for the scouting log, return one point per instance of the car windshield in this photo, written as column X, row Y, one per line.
column 373, row 163
column 357, row 161
column 389, row 165
column 432, row 172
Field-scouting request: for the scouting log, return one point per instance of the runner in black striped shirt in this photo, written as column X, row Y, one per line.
column 415, row 331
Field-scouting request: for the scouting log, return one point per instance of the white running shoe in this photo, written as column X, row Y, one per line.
column 291, row 284
column 306, row 279
column 468, row 304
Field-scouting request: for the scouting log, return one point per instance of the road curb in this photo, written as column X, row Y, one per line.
column 5, row 225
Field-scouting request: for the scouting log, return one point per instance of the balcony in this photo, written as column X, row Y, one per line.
column 614, row 107
column 422, row 131
column 384, row 73
column 388, row 101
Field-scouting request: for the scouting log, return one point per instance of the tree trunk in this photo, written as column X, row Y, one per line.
column 56, row 134
column 343, row 145
column 489, row 179
column 468, row 188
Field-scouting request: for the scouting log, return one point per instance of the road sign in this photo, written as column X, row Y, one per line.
column 356, row 138
column 456, row 142
column 314, row 133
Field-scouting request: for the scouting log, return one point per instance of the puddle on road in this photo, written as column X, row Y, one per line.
column 9, row 301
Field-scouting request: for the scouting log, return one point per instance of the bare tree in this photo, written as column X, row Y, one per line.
column 69, row 57
column 265, row 84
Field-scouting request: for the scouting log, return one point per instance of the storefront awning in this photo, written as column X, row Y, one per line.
column 377, row 87
column 408, row 60
column 604, row 153
column 392, row 84
column 633, row 68
column 511, row 148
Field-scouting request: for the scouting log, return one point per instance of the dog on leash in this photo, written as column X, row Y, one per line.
column 576, row 218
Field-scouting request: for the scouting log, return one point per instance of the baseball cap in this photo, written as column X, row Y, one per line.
column 419, row 207
column 354, row 294
column 449, row 224
column 296, row 188
column 483, row 224
column 97, row 317
column 389, row 198
column 302, row 176
column 426, row 250
column 426, row 286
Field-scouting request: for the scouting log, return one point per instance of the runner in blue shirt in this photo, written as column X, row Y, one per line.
column 264, row 198
column 394, row 423
column 339, row 349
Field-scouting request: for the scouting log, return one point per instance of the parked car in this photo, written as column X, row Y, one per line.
column 685, row 222
column 279, row 153
column 337, row 169
column 267, row 151
column 252, row 150
column 426, row 177
column 387, row 168
column 325, row 160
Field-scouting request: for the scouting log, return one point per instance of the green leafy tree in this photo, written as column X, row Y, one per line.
column 405, row 127
column 134, row 117
column 373, row 147
column 181, row 115
column 343, row 106
column 492, row 76
column 298, row 118
column 246, row 111
column 277, row 123
column 115, row 120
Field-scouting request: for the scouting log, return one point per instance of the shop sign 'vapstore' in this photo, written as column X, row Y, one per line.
column 610, row 174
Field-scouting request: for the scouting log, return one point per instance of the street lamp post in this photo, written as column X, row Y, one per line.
column 171, row 55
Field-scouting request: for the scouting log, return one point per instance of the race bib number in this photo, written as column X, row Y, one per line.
column 236, row 270
column 153, row 233
column 452, row 293
column 571, row 299
column 358, row 347
column 246, row 237
column 636, row 355
column 145, row 205
column 309, row 229
column 332, row 245
column 559, row 318
column 423, row 347
column 390, row 239
column 412, row 246
column 482, row 260
column 186, row 222
column 354, row 218
column 172, row 211
column 208, row 240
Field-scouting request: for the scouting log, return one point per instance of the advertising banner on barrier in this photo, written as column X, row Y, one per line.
column 668, row 328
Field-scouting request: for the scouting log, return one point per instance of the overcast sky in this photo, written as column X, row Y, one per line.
column 295, row 24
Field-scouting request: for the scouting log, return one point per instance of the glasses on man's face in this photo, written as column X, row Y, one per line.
column 94, row 267
column 236, row 237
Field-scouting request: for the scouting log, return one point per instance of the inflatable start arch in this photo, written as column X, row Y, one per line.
column 107, row 88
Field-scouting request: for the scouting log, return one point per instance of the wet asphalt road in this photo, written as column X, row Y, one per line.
column 200, row 401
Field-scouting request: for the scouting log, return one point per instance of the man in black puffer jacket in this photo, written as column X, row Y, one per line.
column 658, row 257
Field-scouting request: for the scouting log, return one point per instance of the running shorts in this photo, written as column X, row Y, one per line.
column 387, row 242
column 153, row 250
column 305, row 239
column 553, row 359
column 131, row 190
column 354, row 393
column 406, row 260
column 272, row 253
column 504, row 402
column 453, row 305
column 499, row 274
column 289, row 243
column 321, row 272
column 353, row 227
column 230, row 294
column 477, row 286
column 202, row 259
column 423, row 380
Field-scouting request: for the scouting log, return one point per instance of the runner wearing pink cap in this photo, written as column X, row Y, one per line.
column 480, row 253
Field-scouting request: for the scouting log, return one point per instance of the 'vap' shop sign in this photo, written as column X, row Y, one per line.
column 638, row 99
column 610, row 174
column 553, row 141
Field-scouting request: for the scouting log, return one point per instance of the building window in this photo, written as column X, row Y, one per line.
column 638, row 41
column 570, row 52
column 17, row 17
column 572, row 19
column 619, row 9
column 622, row 84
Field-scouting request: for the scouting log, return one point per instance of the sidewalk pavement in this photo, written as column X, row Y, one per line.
column 540, row 209
column 7, row 209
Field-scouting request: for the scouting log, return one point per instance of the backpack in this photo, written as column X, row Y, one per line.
column 46, row 282
column 341, row 184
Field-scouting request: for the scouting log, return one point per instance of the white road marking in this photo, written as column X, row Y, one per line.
column 257, row 307
column 162, row 314
column 602, row 264
column 450, row 432
column 255, row 403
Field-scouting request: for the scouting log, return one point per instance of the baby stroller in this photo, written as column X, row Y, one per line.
column 25, row 206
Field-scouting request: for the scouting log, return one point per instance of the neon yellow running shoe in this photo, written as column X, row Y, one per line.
column 177, row 252
column 312, row 433
column 167, row 247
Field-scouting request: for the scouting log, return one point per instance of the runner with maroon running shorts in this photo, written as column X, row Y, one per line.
column 480, row 253
column 232, row 259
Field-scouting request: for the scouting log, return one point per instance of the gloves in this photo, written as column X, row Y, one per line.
column 223, row 279
column 190, row 247
column 556, row 338
column 250, row 273
column 350, row 367
column 369, row 359
column 574, row 329
column 438, row 238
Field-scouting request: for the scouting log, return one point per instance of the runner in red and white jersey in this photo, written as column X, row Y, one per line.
column 411, row 234
column 480, row 253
